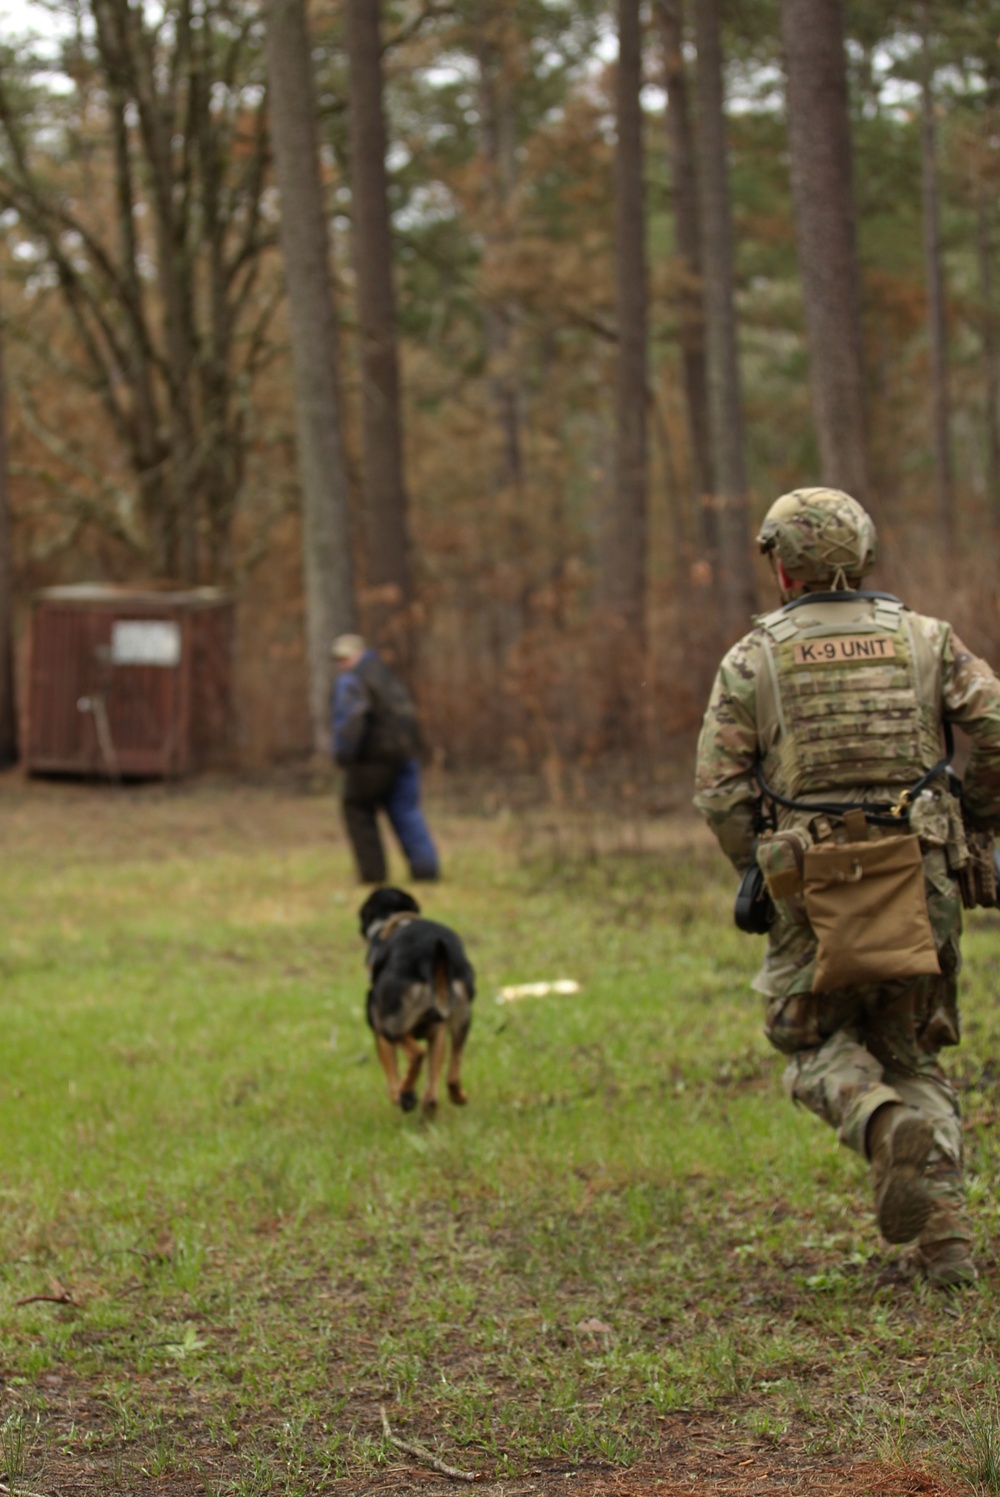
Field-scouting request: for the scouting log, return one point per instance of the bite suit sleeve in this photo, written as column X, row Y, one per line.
column 351, row 707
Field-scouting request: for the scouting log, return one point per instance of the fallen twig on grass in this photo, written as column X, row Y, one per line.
column 424, row 1455
column 60, row 1296
column 17, row 1491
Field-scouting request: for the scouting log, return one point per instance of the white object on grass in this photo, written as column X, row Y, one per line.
column 537, row 989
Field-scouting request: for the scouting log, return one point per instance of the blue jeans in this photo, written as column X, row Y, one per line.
column 371, row 788
column 402, row 806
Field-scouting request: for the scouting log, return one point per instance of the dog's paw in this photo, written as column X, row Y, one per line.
column 430, row 1107
column 407, row 1101
column 457, row 1093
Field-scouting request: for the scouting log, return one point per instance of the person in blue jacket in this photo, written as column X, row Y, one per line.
column 376, row 740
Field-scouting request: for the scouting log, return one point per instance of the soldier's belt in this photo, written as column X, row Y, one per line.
column 880, row 813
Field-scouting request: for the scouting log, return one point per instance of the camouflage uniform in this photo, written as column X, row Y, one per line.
column 855, row 1049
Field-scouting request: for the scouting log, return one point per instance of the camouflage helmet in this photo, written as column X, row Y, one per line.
column 820, row 535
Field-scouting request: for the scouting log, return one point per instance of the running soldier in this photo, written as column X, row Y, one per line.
column 824, row 763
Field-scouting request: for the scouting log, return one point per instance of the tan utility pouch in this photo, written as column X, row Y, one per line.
column 781, row 859
column 867, row 905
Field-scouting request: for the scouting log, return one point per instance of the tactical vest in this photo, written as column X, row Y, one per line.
column 850, row 696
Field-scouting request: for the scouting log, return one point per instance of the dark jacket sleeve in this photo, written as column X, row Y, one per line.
column 351, row 708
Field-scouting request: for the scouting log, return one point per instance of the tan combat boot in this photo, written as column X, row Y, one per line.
column 948, row 1264
column 944, row 1251
column 899, row 1142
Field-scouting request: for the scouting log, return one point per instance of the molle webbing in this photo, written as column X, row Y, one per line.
column 848, row 699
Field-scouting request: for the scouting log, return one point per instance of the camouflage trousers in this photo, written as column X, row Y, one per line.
column 854, row 1050
column 873, row 1056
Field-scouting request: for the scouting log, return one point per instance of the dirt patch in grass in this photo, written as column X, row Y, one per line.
column 202, row 817
column 86, row 822
column 736, row 1475
column 695, row 1452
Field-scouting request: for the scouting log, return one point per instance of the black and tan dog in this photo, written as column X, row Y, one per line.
column 422, row 987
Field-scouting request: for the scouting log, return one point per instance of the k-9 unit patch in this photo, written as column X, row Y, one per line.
column 836, row 651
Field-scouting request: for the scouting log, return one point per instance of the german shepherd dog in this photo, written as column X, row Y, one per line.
column 422, row 987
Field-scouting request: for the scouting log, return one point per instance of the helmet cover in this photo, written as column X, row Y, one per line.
column 820, row 535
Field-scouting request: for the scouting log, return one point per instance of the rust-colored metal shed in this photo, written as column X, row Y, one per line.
column 128, row 682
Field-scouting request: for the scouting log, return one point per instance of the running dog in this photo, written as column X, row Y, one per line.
column 422, row 987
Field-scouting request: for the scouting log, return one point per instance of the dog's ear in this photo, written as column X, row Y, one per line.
column 382, row 903
column 369, row 910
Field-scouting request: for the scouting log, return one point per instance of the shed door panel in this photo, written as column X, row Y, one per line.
column 60, row 736
column 93, row 715
column 142, row 699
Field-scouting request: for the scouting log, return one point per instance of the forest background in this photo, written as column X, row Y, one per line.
column 493, row 327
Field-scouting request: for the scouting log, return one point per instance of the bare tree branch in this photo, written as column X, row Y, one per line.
column 118, row 500
column 429, row 12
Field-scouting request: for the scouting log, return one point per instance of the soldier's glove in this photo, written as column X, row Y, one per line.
column 979, row 878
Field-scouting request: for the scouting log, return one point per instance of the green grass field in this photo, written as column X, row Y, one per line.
column 629, row 1251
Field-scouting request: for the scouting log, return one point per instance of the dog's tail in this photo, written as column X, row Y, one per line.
column 441, row 979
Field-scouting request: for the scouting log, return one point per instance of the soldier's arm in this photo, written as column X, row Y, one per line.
column 726, row 792
column 971, row 698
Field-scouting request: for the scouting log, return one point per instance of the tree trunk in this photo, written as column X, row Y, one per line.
column 937, row 325
column 8, row 706
column 498, row 131
column 623, row 557
column 735, row 586
column 991, row 354
column 820, row 148
column 326, row 551
column 495, row 38
column 388, row 581
column 684, row 178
